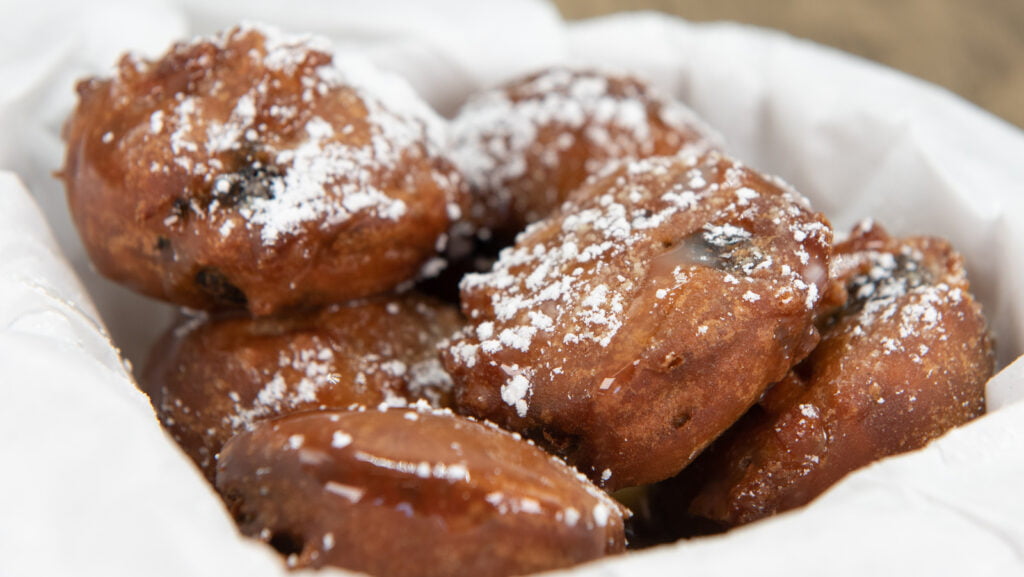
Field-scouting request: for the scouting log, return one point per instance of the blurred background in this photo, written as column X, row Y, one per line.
column 974, row 48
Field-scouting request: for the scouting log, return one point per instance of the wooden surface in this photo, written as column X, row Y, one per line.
column 973, row 47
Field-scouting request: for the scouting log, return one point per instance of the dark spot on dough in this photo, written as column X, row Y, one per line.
column 680, row 420
column 561, row 445
column 255, row 179
column 671, row 361
column 286, row 543
column 163, row 246
column 180, row 208
column 214, row 283
column 908, row 274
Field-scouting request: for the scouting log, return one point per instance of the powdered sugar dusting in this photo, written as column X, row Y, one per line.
column 495, row 135
column 621, row 269
column 323, row 363
column 340, row 439
column 560, row 285
column 900, row 289
column 334, row 171
column 312, row 365
column 514, row 393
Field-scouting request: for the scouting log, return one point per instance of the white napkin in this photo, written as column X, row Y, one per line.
column 92, row 486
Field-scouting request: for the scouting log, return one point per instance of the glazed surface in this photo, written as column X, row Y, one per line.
column 412, row 493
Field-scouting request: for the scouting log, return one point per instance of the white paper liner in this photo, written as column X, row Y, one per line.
column 92, row 486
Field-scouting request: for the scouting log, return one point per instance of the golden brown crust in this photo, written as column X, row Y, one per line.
column 904, row 361
column 525, row 146
column 209, row 378
column 403, row 493
column 639, row 321
column 250, row 170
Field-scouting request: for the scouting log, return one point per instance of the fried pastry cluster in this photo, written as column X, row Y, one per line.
column 904, row 360
column 636, row 310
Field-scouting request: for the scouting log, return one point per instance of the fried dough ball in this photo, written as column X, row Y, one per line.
column 412, row 493
column 903, row 362
column 645, row 316
column 255, row 170
column 526, row 145
column 210, row 378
